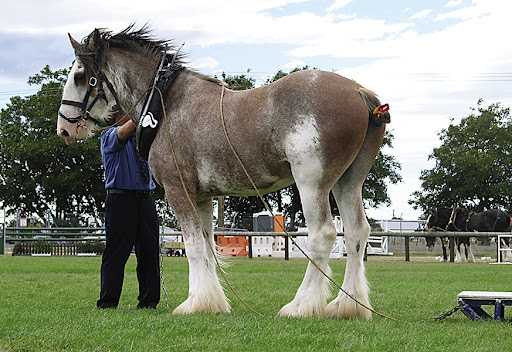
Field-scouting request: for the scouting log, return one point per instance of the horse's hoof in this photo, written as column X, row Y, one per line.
column 344, row 307
column 194, row 305
column 302, row 309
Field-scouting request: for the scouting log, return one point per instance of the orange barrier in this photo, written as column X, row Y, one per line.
column 279, row 223
column 233, row 246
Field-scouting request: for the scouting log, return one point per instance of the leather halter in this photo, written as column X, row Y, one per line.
column 95, row 82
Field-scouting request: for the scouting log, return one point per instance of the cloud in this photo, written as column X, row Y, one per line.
column 478, row 9
column 338, row 4
column 427, row 74
column 205, row 63
column 432, row 76
column 292, row 65
column 453, row 3
column 421, row 14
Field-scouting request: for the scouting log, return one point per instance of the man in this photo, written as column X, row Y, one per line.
column 130, row 217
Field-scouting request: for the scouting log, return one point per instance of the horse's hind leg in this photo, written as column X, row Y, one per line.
column 443, row 245
column 458, row 255
column 356, row 229
column 348, row 194
column 311, row 297
column 205, row 294
column 469, row 252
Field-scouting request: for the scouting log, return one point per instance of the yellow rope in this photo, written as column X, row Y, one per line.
column 196, row 213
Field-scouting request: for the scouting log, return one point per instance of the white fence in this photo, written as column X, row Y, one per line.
column 504, row 251
column 276, row 246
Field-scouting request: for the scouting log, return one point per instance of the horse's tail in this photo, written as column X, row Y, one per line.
column 377, row 113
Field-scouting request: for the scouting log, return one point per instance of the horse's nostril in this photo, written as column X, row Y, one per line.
column 64, row 133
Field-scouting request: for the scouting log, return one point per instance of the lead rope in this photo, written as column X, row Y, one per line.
column 267, row 207
column 162, row 275
column 196, row 213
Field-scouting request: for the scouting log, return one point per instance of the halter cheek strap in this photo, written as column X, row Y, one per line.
column 85, row 108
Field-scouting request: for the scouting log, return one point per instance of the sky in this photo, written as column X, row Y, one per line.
column 430, row 60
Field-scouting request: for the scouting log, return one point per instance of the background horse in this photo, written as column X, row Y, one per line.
column 458, row 222
column 313, row 128
column 437, row 220
column 493, row 220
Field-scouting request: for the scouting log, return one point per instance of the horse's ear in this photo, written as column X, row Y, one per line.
column 76, row 45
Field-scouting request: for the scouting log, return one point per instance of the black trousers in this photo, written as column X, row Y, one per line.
column 130, row 220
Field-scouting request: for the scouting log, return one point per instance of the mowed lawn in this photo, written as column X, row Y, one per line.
column 48, row 304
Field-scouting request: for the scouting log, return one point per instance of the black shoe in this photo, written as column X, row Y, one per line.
column 146, row 306
column 103, row 305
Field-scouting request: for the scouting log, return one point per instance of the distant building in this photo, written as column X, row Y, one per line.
column 399, row 225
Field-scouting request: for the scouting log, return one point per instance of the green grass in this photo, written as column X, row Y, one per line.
column 48, row 304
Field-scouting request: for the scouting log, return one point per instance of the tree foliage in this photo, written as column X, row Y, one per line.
column 38, row 171
column 473, row 164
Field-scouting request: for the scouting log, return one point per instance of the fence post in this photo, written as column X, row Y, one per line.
column 498, row 252
column 249, row 244
column 2, row 240
column 407, row 250
column 286, row 248
column 451, row 245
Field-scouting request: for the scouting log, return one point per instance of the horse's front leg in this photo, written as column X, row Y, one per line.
column 444, row 243
column 205, row 293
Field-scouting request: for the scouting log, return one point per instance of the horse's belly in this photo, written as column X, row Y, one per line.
column 225, row 179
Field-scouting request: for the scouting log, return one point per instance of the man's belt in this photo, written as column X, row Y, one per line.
column 128, row 191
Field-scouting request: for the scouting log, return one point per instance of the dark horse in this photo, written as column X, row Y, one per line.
column 464, row 220
column 317, row 129
column 493, row 220
column 458, row 222
column 437, row 220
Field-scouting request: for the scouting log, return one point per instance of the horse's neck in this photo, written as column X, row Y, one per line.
column 131, row 79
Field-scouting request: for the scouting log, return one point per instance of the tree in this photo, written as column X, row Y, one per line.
column 473, row 164
column 238, row 82
column 38, row 172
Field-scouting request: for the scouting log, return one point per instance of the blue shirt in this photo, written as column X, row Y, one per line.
column 124, row 169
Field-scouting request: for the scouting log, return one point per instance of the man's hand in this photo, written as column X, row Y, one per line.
column 126, row 130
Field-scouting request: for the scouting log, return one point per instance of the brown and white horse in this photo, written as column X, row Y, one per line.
column 311, row 128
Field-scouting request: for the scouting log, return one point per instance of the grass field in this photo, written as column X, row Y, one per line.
column 47, row 304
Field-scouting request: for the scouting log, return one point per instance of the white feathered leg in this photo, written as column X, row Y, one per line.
column 311, row 297
column 205, row 293
column 356, row 230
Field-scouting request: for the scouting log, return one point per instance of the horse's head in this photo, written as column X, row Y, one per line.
column 89, row 97
column 438, row 218
column 458, row 219
column 432, row 219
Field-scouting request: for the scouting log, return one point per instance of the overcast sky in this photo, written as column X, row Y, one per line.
column 430, row 60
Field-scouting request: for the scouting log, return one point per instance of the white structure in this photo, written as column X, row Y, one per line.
column 377, row 245
column 263, row 246
column 338, row 249
column 398, row 225
column 504, row 251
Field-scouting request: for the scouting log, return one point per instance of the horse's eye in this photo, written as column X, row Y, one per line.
column 79, row 76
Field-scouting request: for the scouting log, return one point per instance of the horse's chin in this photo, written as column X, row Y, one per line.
column 69, row 140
